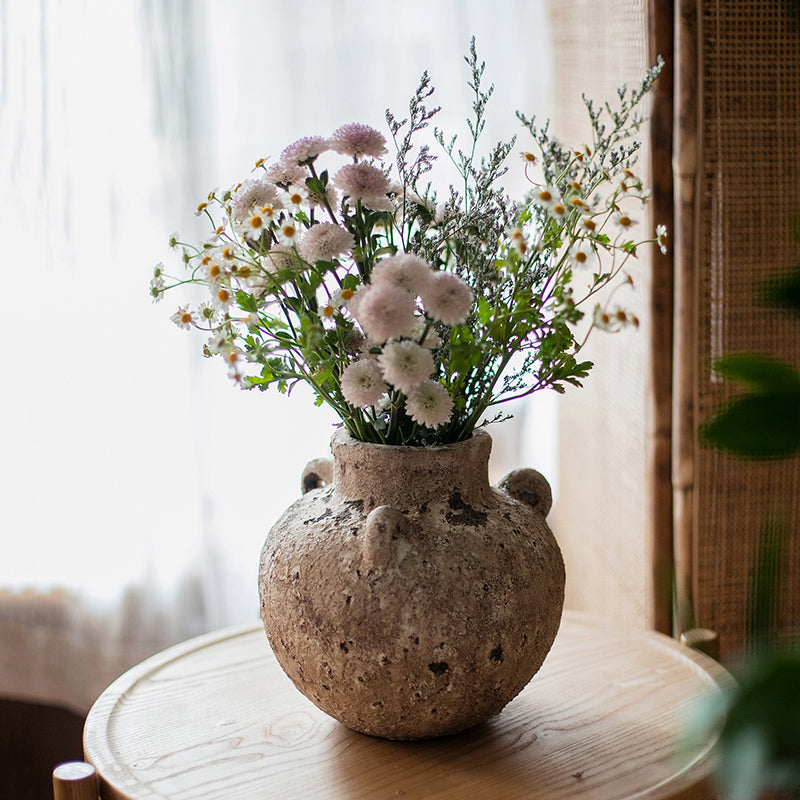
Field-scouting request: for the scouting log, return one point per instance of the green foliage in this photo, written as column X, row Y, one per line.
column 291, row 318
column 760, row 736
column 764, row 421
column 759, row 720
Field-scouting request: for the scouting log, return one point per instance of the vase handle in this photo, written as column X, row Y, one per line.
column 316, row 474
column 382, row 543
column 529, row 487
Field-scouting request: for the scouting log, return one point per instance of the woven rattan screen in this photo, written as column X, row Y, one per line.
column 741, row 137
column 601, row 516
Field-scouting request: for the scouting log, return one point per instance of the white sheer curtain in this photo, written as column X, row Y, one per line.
column 133, row 476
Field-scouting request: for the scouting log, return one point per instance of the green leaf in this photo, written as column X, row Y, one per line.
column 785, row 292
column 760, row 373
column 759, row 739
column 484, row 311
column 760, row 426
column 246, row 301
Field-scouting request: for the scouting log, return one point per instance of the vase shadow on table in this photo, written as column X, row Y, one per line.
column 545, row 752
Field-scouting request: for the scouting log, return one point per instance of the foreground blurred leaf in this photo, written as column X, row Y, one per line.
column 761, row 373
column 760, row 740
column 757, row 425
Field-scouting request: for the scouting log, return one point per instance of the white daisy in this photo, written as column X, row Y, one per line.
column 624, row 221
column 288, row 231
column 221, row 297
column 581, row 254
column 184, row 317
column 661, row 236
column 296, row 194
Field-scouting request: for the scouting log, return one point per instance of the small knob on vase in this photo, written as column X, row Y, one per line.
column 530, row 487
column 317, row 473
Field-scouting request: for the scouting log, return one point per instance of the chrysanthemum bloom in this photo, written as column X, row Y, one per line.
column 252, row 195
column 304, row 150
column 361, row 181
column 329, row 200
column 280, row 258
column 384, row 312
column 183, row 317
column 404, row 270
column 362, row 383
column 429, row 404
column 283, row 174
column 353, row 341
column 324, row 241
column 357, row 140
column 447, row 298
column 432, row 339
column 405, row 364
column 378, row 202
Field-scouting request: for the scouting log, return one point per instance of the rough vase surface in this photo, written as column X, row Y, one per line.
column 407, row 598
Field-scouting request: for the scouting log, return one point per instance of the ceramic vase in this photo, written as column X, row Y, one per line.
column 408, row 598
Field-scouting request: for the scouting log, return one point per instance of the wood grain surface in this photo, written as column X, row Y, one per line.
column 215, row 718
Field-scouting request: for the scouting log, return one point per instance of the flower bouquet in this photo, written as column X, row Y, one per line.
column 414, row 313
column 405, row 596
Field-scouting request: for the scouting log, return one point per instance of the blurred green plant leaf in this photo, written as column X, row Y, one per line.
column 760, row 739
column 757, row 425
column 760, row 373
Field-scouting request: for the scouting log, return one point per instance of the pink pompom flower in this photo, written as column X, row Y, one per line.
column 404, row 270
column 405, row 364
column 362, row 383
column 429, row 404
column 384, row 312
column 447, row 298
column 357, row 140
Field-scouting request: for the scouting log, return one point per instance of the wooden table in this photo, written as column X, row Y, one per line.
column 216, row 718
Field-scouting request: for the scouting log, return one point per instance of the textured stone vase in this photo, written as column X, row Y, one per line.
column 408, row 598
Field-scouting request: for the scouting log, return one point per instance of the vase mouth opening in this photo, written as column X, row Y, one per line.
column 478, row 436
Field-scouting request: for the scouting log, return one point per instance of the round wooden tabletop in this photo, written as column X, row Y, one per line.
column 215, row 718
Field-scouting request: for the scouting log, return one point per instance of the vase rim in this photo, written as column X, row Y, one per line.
column 341, row 436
